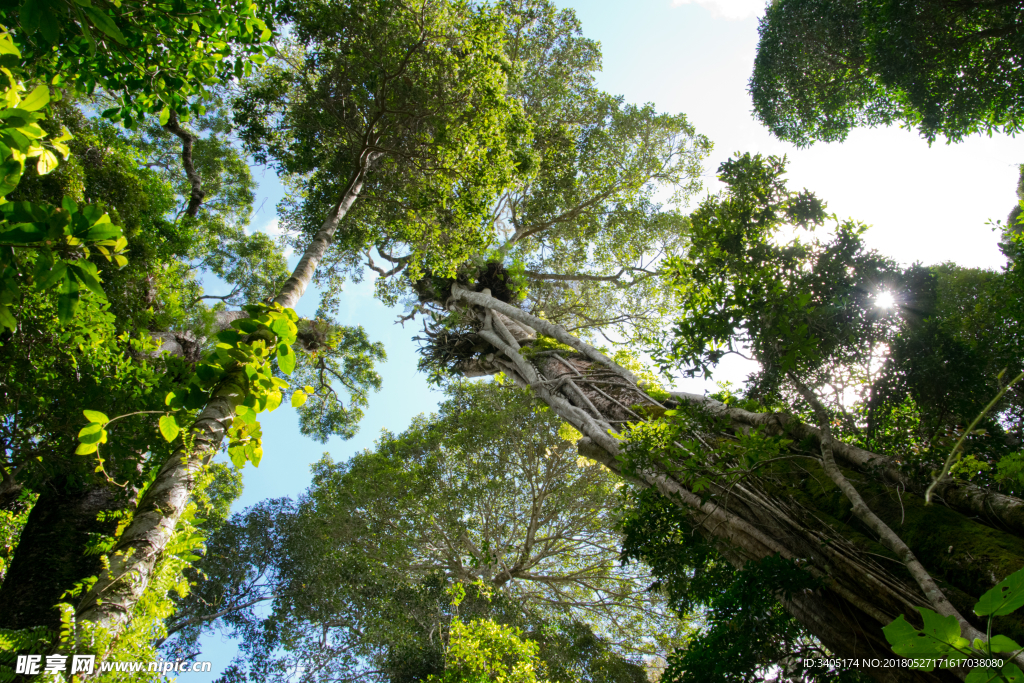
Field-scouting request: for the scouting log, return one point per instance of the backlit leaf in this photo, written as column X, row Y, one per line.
column 169, row 428
column 1005, row 597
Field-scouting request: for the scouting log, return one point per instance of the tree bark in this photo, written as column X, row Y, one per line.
column 108, row 604
column 50, row 557
column 791, row 507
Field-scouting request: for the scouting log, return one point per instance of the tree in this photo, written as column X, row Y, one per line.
column 413, row 72
column 752, row 477
column 947, row 69
column 357, row 570
column 578, row 220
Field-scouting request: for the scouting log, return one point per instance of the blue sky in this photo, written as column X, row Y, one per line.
column 927, row 204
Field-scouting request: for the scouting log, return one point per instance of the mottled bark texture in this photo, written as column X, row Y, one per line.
column 196, row 193
column 791, row 507
column 50, row 556
column 108, row 604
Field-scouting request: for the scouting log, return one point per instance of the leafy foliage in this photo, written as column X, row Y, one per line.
column 940, row 636
column 797, row 305
column 825, row 66
column 155, row 58
column 47, row 246
column 370, row 550
column 417, row 94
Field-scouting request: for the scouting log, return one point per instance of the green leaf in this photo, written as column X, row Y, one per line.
column 26, row 233
column 285, row 359
column 982, row 675
column 97, row 435
column 237, row 457
column 49, row 26
column 299, row 398
column 165, row 116
column 1005, row 597
column 256, row 456
column 7, row 318
column 67, row 300
column 104, row 23
column 1003, row 644
column 939, row 638
column 284, row 329
column 91, row 428
column 246, row 325
column 274, row 399
column 169, row 428
column 208, row 372
column 1012, row 673
column 86, row 448
column 47, row 162
column 95, row 416
column 102, row 231
column 229, row 336
column 7, row 46
column 36, row 100
column 86, row 273
column 196, row 398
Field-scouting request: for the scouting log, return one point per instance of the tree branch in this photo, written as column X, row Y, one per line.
column 197, row 194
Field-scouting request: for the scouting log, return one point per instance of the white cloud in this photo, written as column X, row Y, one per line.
column 728, row 9
column 273, row 228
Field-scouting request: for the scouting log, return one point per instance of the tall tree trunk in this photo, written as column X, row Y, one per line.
column 792, row 507
column 107, row 606
column 50, row 557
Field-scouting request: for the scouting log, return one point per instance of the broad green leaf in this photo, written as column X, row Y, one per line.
column 49, row 26
column 67, row 300
column 47, row 162
column 982, row 675
column 299, row 398
column 208, row 372
column 104, row 23
column 169, row 428
column 256, row 456
column 7, row 46
column 247, row 325
column 46, row 279
column 309, row 389
column 91, row 428
column 229, row 336
column 1005, row 597
column 86, row 273
column 35, row 100
column 939, row 638
column 274, row 399
column 103, row 231
column 96, row 436
column 26, row 233
column 7, row 318
column 86, row 448
column 237, row 456
column 165, row 116
column 96, row 416
column 285, row 359
column 1003, row 644
column 284, row 329
column 1012, row 673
